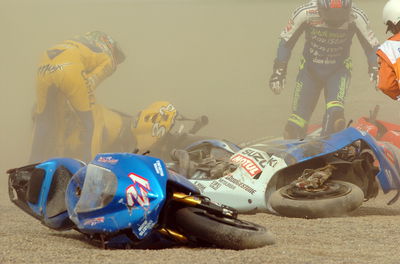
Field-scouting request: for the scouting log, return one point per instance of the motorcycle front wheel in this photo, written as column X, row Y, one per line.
column 337, row 198
column 202, row 226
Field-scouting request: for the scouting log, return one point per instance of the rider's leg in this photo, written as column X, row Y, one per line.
column 335, row 93
column 44, row 140
column 82, row 99
column 305, row 98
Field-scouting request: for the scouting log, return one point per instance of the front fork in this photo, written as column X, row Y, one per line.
column 205, row 203
column 200, row 202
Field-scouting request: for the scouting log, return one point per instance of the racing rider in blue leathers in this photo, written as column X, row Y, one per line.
column 329, row 27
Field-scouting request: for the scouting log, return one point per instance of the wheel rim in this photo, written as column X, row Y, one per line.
column 327, row 191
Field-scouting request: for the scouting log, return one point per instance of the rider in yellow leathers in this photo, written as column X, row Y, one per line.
column 67, row 75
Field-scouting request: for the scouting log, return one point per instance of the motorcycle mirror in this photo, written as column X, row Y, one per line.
column 374, row 113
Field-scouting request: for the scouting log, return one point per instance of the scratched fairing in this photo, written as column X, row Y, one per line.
column 134, row 199
column 125, row 200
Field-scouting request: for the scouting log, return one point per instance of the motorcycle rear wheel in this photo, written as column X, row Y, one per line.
column 338, row 199
column 201, row 226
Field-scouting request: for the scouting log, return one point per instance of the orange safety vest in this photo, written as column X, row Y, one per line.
column 389, row 69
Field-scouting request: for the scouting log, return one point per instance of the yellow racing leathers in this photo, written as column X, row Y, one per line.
column 112, row 132
column 67, row 76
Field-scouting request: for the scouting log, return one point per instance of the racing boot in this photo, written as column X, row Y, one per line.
column 295, row 129
column 334, row 121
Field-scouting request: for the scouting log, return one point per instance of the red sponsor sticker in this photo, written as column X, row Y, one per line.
column 246, row 163
column 110, row 160
column 94, row 221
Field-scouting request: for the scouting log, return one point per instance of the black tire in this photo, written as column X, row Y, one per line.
column 201, row 226
column 338, row 199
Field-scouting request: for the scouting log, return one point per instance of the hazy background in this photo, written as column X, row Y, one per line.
column 210, row 57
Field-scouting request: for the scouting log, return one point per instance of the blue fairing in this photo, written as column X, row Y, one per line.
column 50, row 166
column 183, row 182
column 295, row 151
column 138, row 199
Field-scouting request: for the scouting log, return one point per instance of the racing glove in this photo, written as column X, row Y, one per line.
column 278, row 77
column 373, row 72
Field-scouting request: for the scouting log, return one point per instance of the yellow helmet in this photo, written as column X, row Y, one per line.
column 152, row 123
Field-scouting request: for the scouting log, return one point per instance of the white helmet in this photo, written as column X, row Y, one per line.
column 391, row 12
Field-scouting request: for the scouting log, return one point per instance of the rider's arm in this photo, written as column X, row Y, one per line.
column 291, row 33
column 388, row 83
column 102, row 67
column 366, row 36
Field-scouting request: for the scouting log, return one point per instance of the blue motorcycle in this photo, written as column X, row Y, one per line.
column 125, row 200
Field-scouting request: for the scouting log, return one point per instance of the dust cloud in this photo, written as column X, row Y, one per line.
column 208, row 57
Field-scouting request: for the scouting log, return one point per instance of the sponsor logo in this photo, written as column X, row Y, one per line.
column 272, row 162
column 240, row 184
column 48, row 68
column 312, row 12
column 215, row 185
column 145, row 226
column 94, row 221
column 227, row 184
column 247, row 164
column 110, row 160
column 257, row 156
column 200, row 186
column 158, row 168
column 136, row 194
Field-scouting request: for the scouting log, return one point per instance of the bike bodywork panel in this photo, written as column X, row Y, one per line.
column 249, row 187
column 135, row 201
column 39, row 190
column 113, row 192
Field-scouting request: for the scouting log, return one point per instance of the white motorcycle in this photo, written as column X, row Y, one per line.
column 311, row 178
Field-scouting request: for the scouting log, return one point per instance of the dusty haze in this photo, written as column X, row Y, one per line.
column 211, row 57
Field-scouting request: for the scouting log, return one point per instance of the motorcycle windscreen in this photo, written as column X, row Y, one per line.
column 98, row 189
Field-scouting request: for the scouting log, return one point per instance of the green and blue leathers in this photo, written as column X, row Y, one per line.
column 325, row 65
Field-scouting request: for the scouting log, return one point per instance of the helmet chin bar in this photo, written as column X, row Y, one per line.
column 393, row 28
column 334, row 23
column 334, row 18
